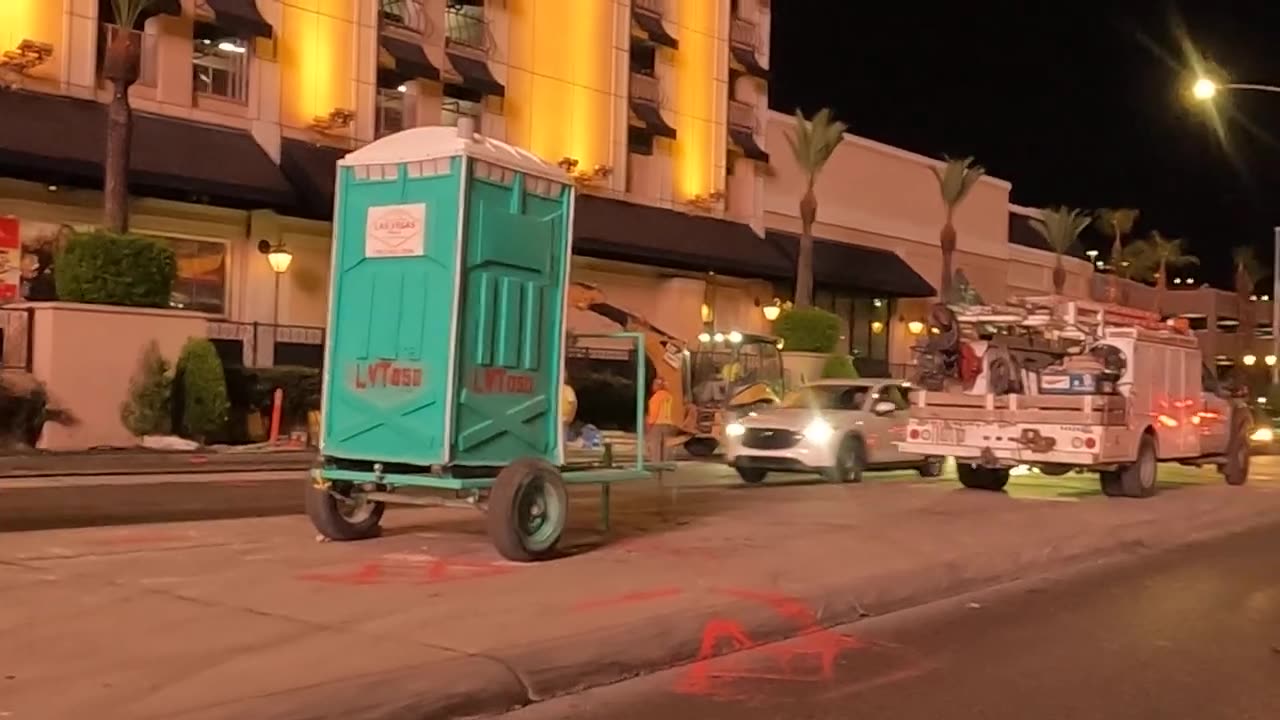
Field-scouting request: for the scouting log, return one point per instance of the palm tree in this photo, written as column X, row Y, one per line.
column 1159, row 254
column 1116, row 223
column 1248, row 273
column 120, row 66
column 1060, row 227
column 812, row 142
column 955, row 179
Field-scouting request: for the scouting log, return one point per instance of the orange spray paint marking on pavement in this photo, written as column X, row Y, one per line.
column 629, row 598
column 432, row 571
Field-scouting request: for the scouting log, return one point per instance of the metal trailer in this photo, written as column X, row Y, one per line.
column 445, row 356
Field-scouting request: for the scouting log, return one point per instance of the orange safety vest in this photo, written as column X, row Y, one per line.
column 660, row 408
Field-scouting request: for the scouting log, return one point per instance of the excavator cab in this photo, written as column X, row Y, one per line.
column 733, row 373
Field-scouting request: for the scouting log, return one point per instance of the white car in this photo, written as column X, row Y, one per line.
column 837, row 428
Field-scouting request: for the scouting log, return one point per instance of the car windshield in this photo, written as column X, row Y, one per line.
column 828, row 397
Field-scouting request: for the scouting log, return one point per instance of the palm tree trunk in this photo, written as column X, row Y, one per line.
column 948, row 242
column 1117, row 251
column 804, row 261
column 1162, row 271
column 1059, row 276
column 121, row 68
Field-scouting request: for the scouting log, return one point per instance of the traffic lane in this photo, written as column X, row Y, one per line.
column 1193, row 633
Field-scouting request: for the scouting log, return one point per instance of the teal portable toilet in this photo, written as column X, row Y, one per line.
column 447, row 303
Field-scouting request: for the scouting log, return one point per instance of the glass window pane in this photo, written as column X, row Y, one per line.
column 844, row 308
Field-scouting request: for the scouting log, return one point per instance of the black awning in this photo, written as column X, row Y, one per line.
column 855, row 267
column 240, row 17
column 617, row 230
column 652, row 120
column 49, row 138
column 313, row 171
column 655, row 30
column 476, row 75
column 411, row 60
column 160, row 7
column 746, row 140
column 747, row 59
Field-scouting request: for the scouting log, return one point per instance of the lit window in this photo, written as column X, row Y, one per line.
column 201, row 279
column 392, row 106
column 220, row 64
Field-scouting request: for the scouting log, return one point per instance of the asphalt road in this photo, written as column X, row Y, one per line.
column 1192, row 634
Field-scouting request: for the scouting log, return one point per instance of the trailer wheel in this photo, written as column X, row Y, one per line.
column 981, row 478
column 339, row 512
column 1236, row 470
column 751, row 476
column 932, row 467
column 850, row 461
column 527, row 509
column 1138, row 478
column 1110, row 481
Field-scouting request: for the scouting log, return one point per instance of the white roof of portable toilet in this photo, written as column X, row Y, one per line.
column 429, row 143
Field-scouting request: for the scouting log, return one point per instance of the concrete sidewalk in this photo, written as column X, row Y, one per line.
column 150, row 462
column 254, row 618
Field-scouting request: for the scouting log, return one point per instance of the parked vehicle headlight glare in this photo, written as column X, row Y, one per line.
column 1263, row 435
column 734, row 429
column 818, row 431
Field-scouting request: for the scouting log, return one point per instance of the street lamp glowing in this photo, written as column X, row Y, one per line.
column 1204, row 89
column 1270, row 360
column 1250, row 360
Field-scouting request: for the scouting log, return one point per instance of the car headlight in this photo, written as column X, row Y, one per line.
column 734, row 429
column 819, row 431
column 1262, row 435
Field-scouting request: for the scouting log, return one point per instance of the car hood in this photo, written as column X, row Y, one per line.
column 783, row 419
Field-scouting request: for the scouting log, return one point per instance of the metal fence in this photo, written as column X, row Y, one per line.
column 258, row 345
column 16, row 336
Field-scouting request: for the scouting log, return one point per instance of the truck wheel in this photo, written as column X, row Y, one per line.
column 931, row 468
column 981, row 478
column 527, row 509
column 339, row 512
column 1236, row 469
column 850, row 460
column 1110, row 481
column 1138, row 478
column 752, row 476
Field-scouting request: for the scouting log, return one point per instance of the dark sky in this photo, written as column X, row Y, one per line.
column 1076, row 103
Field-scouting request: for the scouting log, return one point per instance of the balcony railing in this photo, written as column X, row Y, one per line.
column 467, row 31
column 652, row 7
column 742, row 116
column 145, row 43
column 403, row 14
column 645, row 89
column 743, row 33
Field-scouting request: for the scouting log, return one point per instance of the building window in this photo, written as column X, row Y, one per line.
column 465, row 25
column 392, row 107
column 864, row 327
column 201, row 281
column 403, row 13
column 460, row 102
column 220, row 64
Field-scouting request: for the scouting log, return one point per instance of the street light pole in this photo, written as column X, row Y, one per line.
column 1275, row 304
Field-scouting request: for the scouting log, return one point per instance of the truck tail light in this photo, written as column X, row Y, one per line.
column 914, row 434
column 1090, row 443
column 1077, row 443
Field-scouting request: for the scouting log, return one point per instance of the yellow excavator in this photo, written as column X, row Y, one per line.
column 728, row 374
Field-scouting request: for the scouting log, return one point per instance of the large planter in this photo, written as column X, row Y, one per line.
column 799, row 368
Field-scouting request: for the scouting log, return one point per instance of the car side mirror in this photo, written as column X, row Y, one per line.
column 884, row 407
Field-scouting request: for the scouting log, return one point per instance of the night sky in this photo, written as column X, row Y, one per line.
column 1081, row 104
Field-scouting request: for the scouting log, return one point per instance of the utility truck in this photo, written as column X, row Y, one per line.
column 1061, row 385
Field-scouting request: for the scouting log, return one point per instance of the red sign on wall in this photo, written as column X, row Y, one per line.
column 10, row 259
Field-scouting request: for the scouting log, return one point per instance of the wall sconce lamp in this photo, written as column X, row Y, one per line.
column 278, row 256
column 915, row 327
column 337, row 119
column 1250, row 359
column 1270, row 360
column 772, row 310
column 877, row 327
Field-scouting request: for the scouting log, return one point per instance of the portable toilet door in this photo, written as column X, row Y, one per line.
column 393, row 299
column 516, row 248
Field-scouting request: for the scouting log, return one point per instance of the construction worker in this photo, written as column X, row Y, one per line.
column 659, row 423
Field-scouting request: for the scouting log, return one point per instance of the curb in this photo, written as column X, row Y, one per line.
column 187, row 464
column 475, row 685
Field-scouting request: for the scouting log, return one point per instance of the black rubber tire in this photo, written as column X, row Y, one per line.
column 332, row 517
column 504, row 521
column 1236, row 470
column 850, row 461
column 701, row 447
column 932, row 467
column 1110, row 482
column 1138, row 478
column 751, row 476
column 981, row 478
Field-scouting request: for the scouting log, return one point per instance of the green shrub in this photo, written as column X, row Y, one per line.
column 109, row 269
column 147, row 410
column 839, row 367
column 808, row 330
column 201, row 391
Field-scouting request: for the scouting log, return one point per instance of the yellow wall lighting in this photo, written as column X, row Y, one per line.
column 559, row 79
column 38, row 20
column 315, row 54
column 699, row 93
